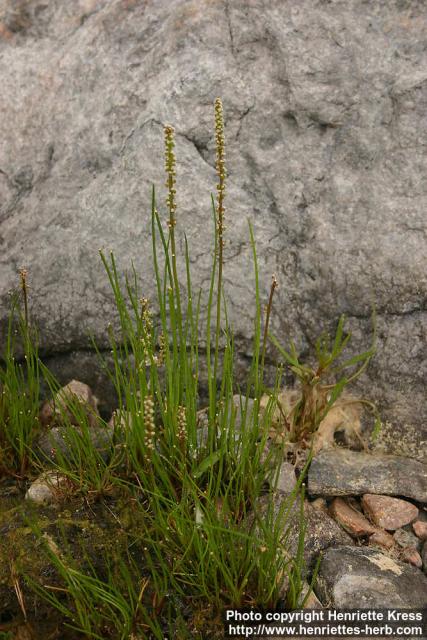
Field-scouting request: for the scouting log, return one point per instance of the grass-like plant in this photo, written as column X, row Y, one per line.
column 196, row 487
column 108, row 605
column 205, row 541
column 196, row 493
column 19, row 388
column 322, row 384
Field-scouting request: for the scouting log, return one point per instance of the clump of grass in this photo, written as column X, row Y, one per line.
column 183, row 481
column 196, row 490
column 84, row 451
column 19, row 388
column 206, row 543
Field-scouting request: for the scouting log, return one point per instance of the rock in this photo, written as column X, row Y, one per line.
column 237, row 408
column 320, row 503
column 388, row 513
column 405, row 538
column 411, row 555
column 61, row 439
column 47, row 489
column 312, row 601
column 337, row 472
column 69, row 400
column 322, row 532
column 420, row 529
column 382, row 539
column 360, row 577
column 286, row 480
column 327, row 158
column 351, row 520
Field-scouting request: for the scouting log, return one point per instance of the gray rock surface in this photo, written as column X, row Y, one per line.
column 61, row 441
column 326, row 137
column 338, row 472
column 286, row 479
column 358, row 578
column 322, row 531
column 238, row 409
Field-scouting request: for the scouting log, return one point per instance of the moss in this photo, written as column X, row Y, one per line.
column 80, row 531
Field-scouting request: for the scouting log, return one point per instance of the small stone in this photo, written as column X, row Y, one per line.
column 75, row 392
column 382, row 538
column 351, row 520
column 388, row 513
column 46, row 488
column 405, row 538
column 320, row 503
column 411, row 555
column 420, row 529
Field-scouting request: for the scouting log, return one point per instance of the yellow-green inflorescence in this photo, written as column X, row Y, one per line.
column 221, row 171
column 182, row 425
column 170, row 167
column 150, row 430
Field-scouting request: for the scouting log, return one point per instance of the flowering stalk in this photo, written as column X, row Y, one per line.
column 220, row 211
column 268, row 308
column 24, row 287
column 170, row 164
column 182, row 426
column 149, row 423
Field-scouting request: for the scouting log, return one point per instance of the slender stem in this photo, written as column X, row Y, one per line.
column 24, row 287
column 171, row 203
column 220, row 210
column 267, row 320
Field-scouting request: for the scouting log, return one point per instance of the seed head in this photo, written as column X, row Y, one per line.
column 220, row 168
column 182, row 424
column 162, row 349
column 24, row 287
column 170, row 165
column 149, row 423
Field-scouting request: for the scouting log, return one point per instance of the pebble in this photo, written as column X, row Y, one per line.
column 388, row 513
column 320, row 503
column 46, row 488
column 382, row 538
column 76, row 392
column 420, row 529
column 351, row 520
column 286, row 481
column 411, row 555
column 405, row 538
